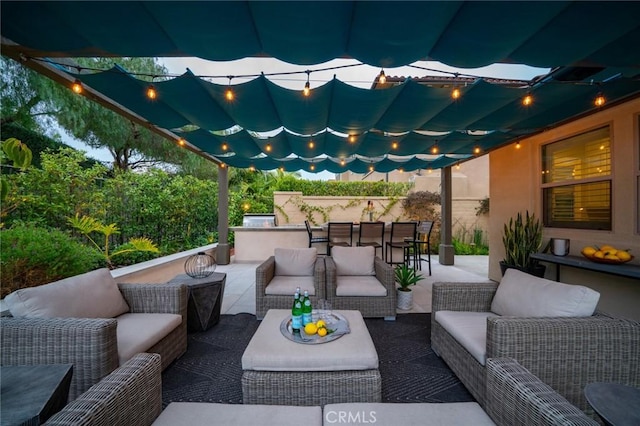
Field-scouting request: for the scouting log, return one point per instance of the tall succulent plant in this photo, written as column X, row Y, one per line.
column 521, row 238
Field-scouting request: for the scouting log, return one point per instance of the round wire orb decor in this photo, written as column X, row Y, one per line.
column 200, row 265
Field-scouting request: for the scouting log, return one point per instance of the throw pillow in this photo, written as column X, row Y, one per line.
column 93, row 294
column 523, row 295
column 354, row 260
column 295, row 261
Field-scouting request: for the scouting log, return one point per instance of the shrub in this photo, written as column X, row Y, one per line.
column 33, row 256
column 126, row 254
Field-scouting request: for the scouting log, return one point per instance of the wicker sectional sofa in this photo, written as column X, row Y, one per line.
column 95, row 324
column 564, row 352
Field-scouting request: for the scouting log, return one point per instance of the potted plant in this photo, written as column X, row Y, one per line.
column 405, row 277
column 521, row 238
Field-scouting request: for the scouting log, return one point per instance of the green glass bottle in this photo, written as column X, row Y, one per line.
column 306, row 309
column 296, row 314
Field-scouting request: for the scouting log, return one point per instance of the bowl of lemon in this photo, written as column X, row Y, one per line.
column 606, row 254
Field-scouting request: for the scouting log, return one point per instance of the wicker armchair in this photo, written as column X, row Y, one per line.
column 565, row 353
column 131, row 395
column 280, row 294
column 517, row 397
column 90, row 344
column 369, row 306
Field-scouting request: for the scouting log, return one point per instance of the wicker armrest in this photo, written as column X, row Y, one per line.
column 385, row 274
column 264, row 274
column 569, row 353
column 130, row 395
column 331, row 277
column 155, row 298
column 517, row 397
column 90, row 344
column 463, row 296
column 320, row 278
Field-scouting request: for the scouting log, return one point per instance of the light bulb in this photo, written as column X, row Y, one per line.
column 458, row 166
column 518, row 145
column 352, row 138
column 307, row 89
column 312, row 167
column 229, row 94
column 455, row 93
column 382, row 78
column 342, row 162
column 76, row 87
column 252, row 169
column 268, row 147
column 311, row 144
column 394, row 145
column 434, row 149
column 599, row 100
column 476, row 150
column 401, row 170
column 151, row 92
column 181, row 142
column 225, row 146
column 371, row 168
column 527, row 100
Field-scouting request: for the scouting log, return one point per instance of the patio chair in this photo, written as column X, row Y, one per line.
column 278, row 277
column 402, row 235
column 551, row 329
column 357, row 279
column 422, row 245
column 339, row 234
column 372, row 234
column 312, row 239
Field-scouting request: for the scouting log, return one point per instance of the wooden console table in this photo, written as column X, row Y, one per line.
column 624, row 270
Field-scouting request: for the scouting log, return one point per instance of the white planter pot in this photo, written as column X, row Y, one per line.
column 404, row 300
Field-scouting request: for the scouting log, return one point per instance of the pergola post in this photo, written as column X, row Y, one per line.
column 446, row 252
column 223, row 252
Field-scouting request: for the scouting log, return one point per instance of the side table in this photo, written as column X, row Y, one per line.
column 616, row 404
column 30, row 394
column 205, row 299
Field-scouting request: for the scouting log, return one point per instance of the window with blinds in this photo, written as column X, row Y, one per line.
column 576, row 181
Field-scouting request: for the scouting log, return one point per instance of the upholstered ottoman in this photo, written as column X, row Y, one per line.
column 280, row 371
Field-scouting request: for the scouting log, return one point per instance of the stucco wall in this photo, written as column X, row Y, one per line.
column 515, row 186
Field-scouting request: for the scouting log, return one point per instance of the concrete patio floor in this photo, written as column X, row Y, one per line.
column 240, row 296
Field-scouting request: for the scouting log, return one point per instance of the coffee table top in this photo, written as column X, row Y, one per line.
column 269, row 350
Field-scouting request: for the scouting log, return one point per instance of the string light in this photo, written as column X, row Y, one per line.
column 223, row 165
column 518, row 145
column 229, row 93
column 252, row 168
column 455, row 93
column 342, row 162
column 307, row 86
column 282, row 168
column 268, row 147
column 599, row 100
column 434, row 148
column 527, row 100
column 382, row 78
column 457, row 166
column 371, row 168
column 401, row 170
column 77, row 87
column 225, row 146
column 476, row 150
column 394, row 145
column 312, row 167
column 352, row 138
column 151, row 92
column 181, row 142
column 311, row 144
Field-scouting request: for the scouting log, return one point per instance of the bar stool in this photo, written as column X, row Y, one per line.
column 339, row 234
column 372, row 231
column 422, row 240
column 402, row 235
column 312, row 239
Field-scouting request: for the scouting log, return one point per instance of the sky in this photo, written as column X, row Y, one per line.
column 361, row 76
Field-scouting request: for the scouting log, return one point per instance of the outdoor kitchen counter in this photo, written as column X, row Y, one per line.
column 255, row 244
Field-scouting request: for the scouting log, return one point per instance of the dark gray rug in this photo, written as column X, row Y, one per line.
column 211, row 369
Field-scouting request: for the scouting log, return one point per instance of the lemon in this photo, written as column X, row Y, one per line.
column 320, row 323
column 322, row 331
column 310, row 328
column 611, row 257
column 588, row 251
column 607, row 247
column 599, row 254
column 623, row 255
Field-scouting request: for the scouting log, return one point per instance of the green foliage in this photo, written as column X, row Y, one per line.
column 336, row 188
column 483, row 208
column 521, row 238
column 126, row 254
column 406, row 276
column 87, row 225
column 33, row 256
column 12, row 150
column 462, row 248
